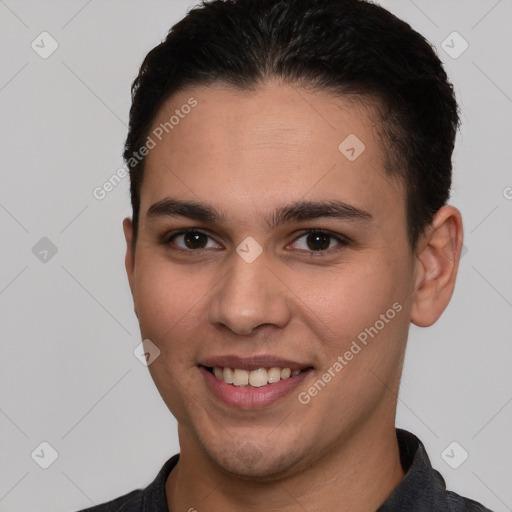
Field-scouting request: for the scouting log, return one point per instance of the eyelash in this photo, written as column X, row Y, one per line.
column 343, row 241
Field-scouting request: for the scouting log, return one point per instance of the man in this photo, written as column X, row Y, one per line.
column 290, row 166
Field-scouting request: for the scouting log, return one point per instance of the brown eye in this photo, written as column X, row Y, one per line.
column 192, row 240
column 319, row 241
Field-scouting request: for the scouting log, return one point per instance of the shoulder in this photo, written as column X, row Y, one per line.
column 456, row 503
column 151, row 498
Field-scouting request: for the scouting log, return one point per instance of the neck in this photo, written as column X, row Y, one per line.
column 360, row 475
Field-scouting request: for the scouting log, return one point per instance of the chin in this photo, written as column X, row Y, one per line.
column 247, row 460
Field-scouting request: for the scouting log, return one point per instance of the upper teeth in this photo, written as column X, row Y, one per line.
column 255, row 378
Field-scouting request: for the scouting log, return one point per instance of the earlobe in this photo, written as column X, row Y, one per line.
column 436, row 266
column 129, row 260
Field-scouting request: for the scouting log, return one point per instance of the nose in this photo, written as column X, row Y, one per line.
column 250, row 295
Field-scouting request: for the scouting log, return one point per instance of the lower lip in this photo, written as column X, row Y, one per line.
column 250, row 397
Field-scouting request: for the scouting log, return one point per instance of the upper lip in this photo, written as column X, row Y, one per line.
column 252, row 362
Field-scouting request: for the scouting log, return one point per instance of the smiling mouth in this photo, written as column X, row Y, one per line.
column 254, row 378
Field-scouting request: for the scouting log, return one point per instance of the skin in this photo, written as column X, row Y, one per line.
column 246, row 154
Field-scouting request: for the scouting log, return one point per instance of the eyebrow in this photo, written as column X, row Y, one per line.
column 296, row 211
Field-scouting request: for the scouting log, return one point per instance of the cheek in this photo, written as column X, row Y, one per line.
column 168, row 301
column 344, row 301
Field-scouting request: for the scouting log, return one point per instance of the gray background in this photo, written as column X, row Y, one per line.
column 68, row 375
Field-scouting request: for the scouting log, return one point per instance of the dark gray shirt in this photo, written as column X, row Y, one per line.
column 421, row 490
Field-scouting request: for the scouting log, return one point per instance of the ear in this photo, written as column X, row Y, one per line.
column 437, row 263
column 129, row 260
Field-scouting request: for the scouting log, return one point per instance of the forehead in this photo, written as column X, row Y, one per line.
column 256, row 149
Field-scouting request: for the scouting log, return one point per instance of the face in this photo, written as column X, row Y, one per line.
column 296, row 256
